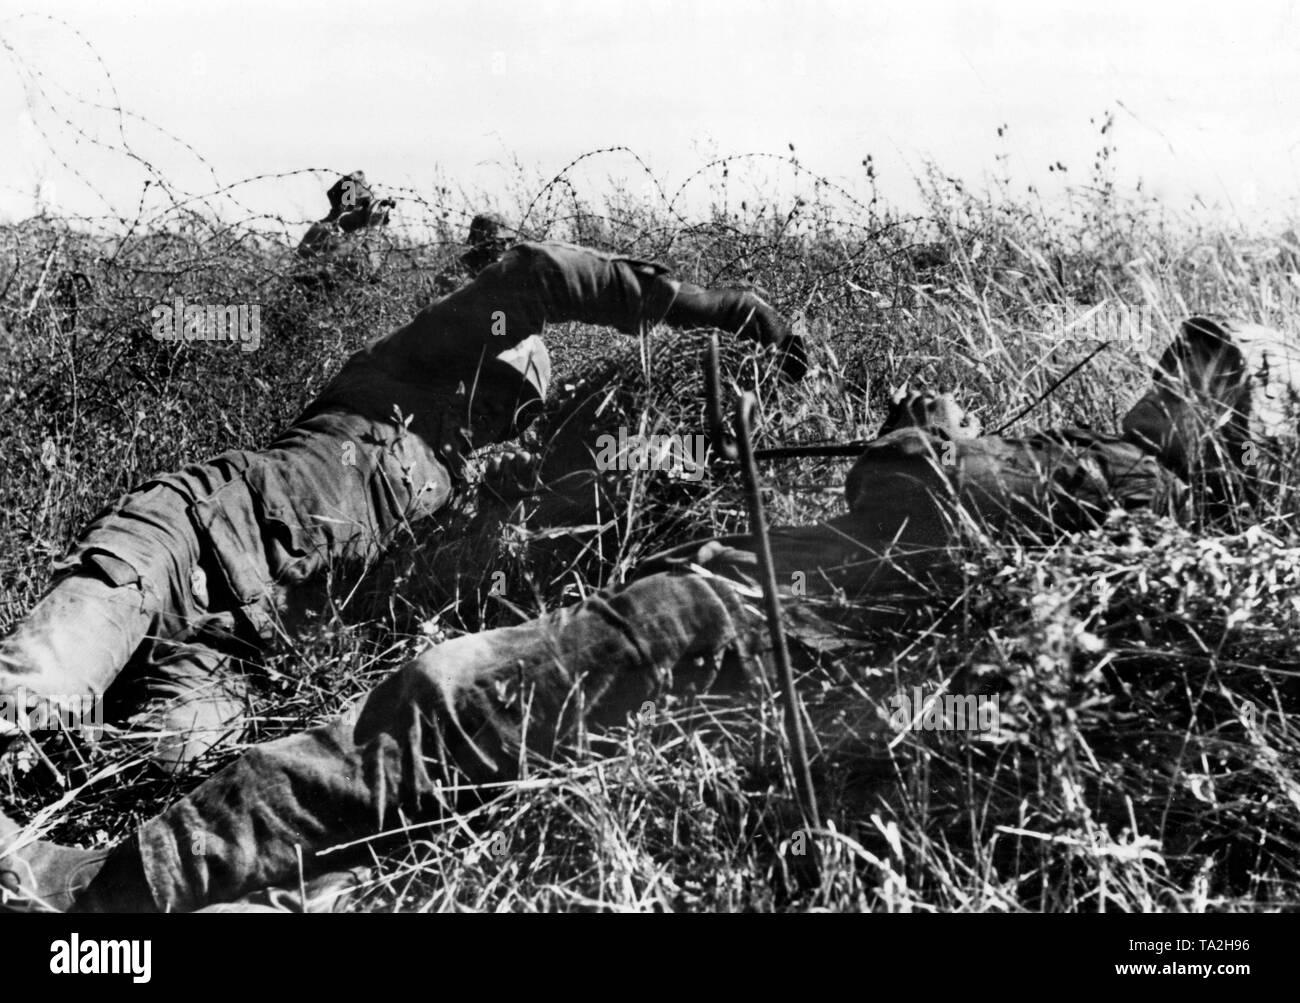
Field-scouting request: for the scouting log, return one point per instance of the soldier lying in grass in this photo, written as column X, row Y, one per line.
column 189, row 573
column 470, row 710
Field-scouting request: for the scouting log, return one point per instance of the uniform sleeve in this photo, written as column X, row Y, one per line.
column 1047, row 483
column 551, row 283
column 322, row 238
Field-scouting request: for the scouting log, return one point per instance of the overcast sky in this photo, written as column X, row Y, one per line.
column 1207, row 95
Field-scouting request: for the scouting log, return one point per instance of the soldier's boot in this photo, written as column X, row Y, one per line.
column 1196, row 418
column 37, row 875
column 1199, row 397
column 192, row 699
column 71, row 646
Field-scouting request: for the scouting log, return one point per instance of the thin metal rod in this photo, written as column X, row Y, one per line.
column 739, row 446
column 807, row 794
column 1050, row 390
column 830, row 449
column 720, row 437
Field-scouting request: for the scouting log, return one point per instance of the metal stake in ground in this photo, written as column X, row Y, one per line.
column 741, row 447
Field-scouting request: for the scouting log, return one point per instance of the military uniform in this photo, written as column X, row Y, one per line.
column 349, row 243
column 465, row 710
column 486, row 242
column 1223, row 394
column 192, row 569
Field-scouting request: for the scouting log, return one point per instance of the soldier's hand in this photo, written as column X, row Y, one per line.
column 767, row 327
column 514, row 475
column 792, row 355
column 747, row 315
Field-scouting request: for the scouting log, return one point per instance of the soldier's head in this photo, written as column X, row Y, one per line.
column 941, row 415
column 488, row 239
column 1195, row 418
column 354, row 205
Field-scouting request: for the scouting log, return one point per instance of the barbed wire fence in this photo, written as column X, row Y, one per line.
column 212, row 224
column 91, row 402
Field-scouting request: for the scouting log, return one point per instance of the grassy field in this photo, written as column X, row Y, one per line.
column 1145, row 672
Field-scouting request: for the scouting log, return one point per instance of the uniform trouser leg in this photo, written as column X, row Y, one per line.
column 75, row 641
column 133, row 585
column 466, row 711
column 463, row 712
column 192, row 697
column 127, row 579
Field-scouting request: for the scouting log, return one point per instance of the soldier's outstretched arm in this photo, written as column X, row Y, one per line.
column 580, row 282
column 740, row 312
column 535, row 284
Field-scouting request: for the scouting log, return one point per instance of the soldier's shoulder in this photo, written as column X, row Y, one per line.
column 535, row 251
column 321, row 238
column 565, row 252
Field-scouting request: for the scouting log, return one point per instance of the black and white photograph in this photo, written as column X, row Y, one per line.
column 661, row 457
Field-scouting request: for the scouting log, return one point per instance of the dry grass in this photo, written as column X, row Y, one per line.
column 1145, row 671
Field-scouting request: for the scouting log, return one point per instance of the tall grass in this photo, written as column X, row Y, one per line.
column 1145, row 670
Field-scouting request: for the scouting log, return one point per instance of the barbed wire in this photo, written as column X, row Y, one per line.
column 48, row 97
